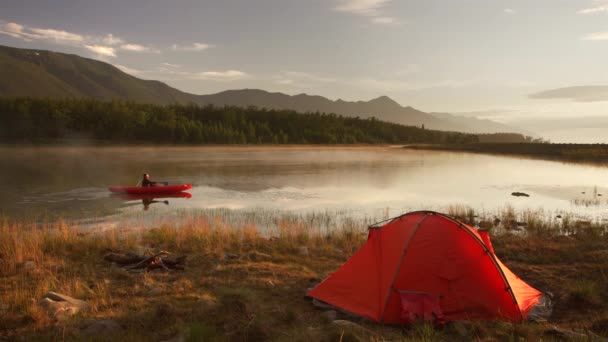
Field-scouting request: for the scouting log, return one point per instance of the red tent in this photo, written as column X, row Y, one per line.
column 426, row 265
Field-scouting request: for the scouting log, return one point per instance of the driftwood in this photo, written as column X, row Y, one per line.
column 162, row 259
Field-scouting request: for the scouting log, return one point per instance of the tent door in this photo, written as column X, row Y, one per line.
column 420, row 306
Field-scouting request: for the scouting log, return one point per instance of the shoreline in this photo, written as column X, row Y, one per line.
column 596, row 154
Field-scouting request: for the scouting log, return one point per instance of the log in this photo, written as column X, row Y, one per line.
column 162, row 259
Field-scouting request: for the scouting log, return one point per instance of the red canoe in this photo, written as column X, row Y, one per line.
column 151, row 189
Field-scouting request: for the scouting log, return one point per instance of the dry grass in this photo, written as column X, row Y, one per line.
column 258, row 295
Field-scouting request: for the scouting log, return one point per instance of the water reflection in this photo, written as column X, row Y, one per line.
column 149, row 199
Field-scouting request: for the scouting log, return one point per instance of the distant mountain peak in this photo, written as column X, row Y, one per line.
column 384, row 101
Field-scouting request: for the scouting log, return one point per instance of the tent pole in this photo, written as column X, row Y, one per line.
column 407, row 244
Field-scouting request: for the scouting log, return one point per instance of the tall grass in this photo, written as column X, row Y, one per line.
column 63, row 257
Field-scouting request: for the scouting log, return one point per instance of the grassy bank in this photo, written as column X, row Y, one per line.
column 239, row 284
column 596, row 153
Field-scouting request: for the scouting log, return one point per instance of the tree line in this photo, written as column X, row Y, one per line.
column 40, row 120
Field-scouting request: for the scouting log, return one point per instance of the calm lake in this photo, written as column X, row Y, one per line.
column 71, row 182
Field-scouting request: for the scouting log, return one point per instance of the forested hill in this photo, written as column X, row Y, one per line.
column 47, row 120
column 40, row 73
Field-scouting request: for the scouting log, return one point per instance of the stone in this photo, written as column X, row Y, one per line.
column 102, row 327
column 61, row 307
column 303, row 250
column 59, row 311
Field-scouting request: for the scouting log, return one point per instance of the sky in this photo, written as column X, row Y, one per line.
column 480, row 58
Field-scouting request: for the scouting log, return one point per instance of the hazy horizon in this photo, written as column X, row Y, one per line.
column 474, row 58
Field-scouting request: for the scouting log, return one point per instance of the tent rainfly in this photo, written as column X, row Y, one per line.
column 429, row 266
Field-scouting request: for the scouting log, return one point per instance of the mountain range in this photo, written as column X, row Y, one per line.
column 42, row 73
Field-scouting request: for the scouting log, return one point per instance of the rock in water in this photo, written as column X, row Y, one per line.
column 520, row 194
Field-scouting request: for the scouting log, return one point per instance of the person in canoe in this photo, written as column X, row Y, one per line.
column 147, row 182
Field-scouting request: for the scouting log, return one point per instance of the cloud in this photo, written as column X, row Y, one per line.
column 13, row 29
column 509, row 11
column 138, row 48
column 576, row 93
column 57, row 35
column 100, row 45
column 368, row 8
column 361, row 7
column 228, row 75
column 134, row 47
column 33, row 33
column 192, row 47
column 171, row 65
column 596, row 36
column 597, row 7
column 105, row 51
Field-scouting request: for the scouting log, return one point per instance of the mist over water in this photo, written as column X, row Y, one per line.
column 72, row 182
